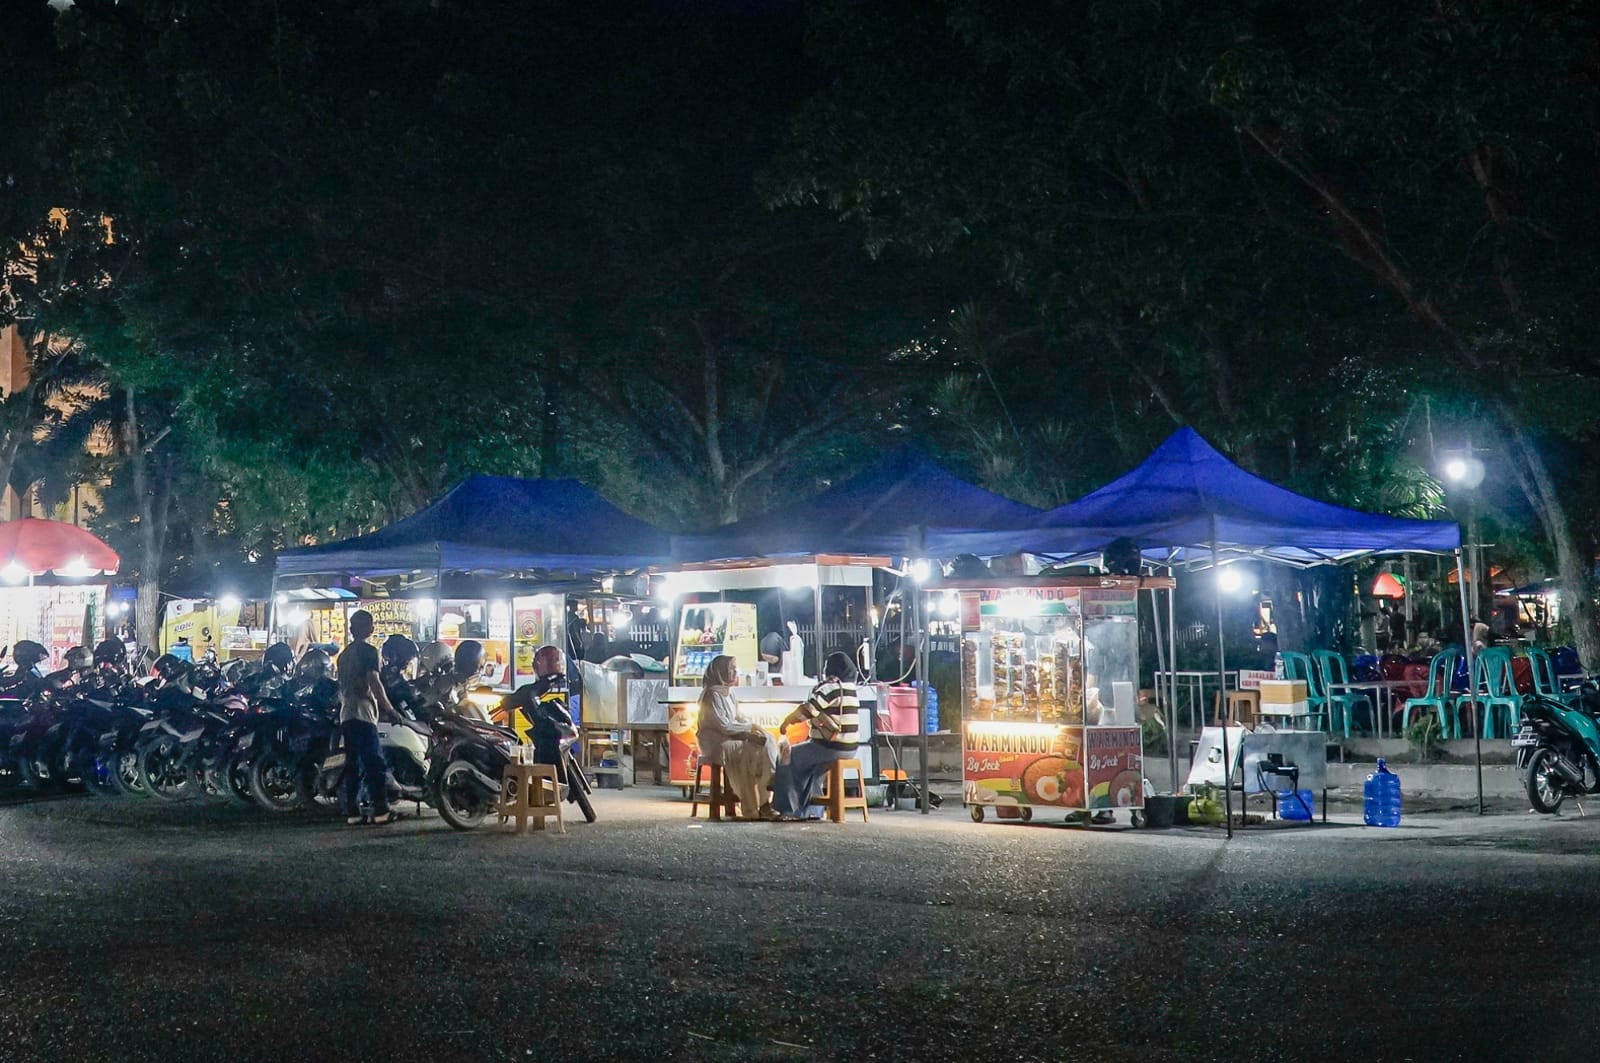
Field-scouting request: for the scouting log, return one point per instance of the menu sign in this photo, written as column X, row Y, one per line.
column 1115, row 764
column 391, row 616
column 1007, row 763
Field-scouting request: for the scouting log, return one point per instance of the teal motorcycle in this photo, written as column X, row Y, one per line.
column 1558, row 748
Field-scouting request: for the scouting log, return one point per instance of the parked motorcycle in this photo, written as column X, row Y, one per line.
column 468, row 758
column 1558, row 748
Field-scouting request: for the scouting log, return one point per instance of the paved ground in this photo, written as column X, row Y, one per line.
column 142, row 932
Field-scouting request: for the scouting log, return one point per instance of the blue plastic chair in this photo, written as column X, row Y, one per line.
column 1437, row 697
column 1545, row 683
column 1496, row 690
column 1331, row 670
column 1300, row 666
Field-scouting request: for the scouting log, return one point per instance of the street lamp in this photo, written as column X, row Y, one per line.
column 1464, row 469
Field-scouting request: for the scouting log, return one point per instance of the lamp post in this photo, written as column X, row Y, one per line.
column 1464, row 470
column 1467, row 471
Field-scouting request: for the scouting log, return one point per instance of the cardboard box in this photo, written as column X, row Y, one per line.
column 1284, row 697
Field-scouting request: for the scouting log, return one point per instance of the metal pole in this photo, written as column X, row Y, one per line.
column 1172, row 675
column 922, row 691
column 1222, row 685
column 1472, row 678
column 438, row 593
column 816, row 611
column 272, row 607
column 1411, row 632
column 1161, row 665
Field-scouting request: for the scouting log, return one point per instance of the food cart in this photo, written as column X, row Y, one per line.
column 1049, row 680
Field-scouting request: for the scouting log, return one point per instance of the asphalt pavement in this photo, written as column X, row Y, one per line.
column 143, row 931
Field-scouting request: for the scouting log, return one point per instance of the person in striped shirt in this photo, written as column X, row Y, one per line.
column 833, row 713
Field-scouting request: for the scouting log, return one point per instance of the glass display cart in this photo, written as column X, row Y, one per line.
column 1049, row 682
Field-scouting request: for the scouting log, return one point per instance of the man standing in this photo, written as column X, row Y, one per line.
column 361, row 694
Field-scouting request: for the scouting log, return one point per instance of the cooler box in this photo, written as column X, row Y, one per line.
column 897, row 710
column 1284, row 698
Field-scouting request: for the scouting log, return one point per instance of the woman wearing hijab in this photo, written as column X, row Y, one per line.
column 748, row 754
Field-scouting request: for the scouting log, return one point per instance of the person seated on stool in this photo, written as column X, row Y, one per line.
column 833, row 712
column 746, row 752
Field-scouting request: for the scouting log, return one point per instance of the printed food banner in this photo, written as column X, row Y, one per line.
column 683, row 717
column 390, row 616
column 1005, row 763
column 1115, row 763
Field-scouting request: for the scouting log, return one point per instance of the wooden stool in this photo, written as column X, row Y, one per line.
column 834, row 799
column 523, row 796
column 1244, row 707
column 721, row 798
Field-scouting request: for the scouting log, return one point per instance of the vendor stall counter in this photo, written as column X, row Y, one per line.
column 1049, row 675
column 766, row 706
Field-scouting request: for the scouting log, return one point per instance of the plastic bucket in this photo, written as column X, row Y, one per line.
column 1159, row 810
column 1303, row 808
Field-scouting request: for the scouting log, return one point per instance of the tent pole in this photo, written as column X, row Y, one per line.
column 438, row 594
column 1472, row 678
column 1161, row 666
column 1222, row 686
column 1172, row 673
column 922, row 693
column 272, row 607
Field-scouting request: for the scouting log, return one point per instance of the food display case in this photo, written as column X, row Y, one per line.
column 1049, row 677
column 707, row 630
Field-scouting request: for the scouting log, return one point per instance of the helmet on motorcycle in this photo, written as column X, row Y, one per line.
column 111, row 653
column 436, row 657
column 469, row 658
column 170, row 668
column 79, row 658
column 28, row 653
column 279, row 657
column 399, row 651
column 314, row 664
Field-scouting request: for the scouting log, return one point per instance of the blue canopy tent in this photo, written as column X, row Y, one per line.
column 882, row 511
column 1187, row 505
column 495, row 525
column 1187, row 498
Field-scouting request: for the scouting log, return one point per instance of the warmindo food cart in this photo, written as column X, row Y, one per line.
column 1049, row 681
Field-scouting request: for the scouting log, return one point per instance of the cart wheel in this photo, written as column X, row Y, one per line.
column 977, row 813
column 1138, row 818
column 1027, row 815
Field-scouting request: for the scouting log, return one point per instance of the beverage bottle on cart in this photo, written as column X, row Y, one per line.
column 1381, row 805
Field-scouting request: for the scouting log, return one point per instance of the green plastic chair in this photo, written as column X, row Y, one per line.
column 1300, row 666
column 1496, row 690
column 1437, row 698
column 1332, row 671
column 1545, row 683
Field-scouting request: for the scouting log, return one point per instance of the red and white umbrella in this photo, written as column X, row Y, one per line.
column 31, row 546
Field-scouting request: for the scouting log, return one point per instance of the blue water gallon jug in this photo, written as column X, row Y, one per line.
column 1294, row 806
column 1381, row 807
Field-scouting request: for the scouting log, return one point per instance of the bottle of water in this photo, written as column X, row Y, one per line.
column 1381, row 807
column 1278, row 671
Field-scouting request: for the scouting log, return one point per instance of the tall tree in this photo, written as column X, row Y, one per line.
column 1220, row 193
